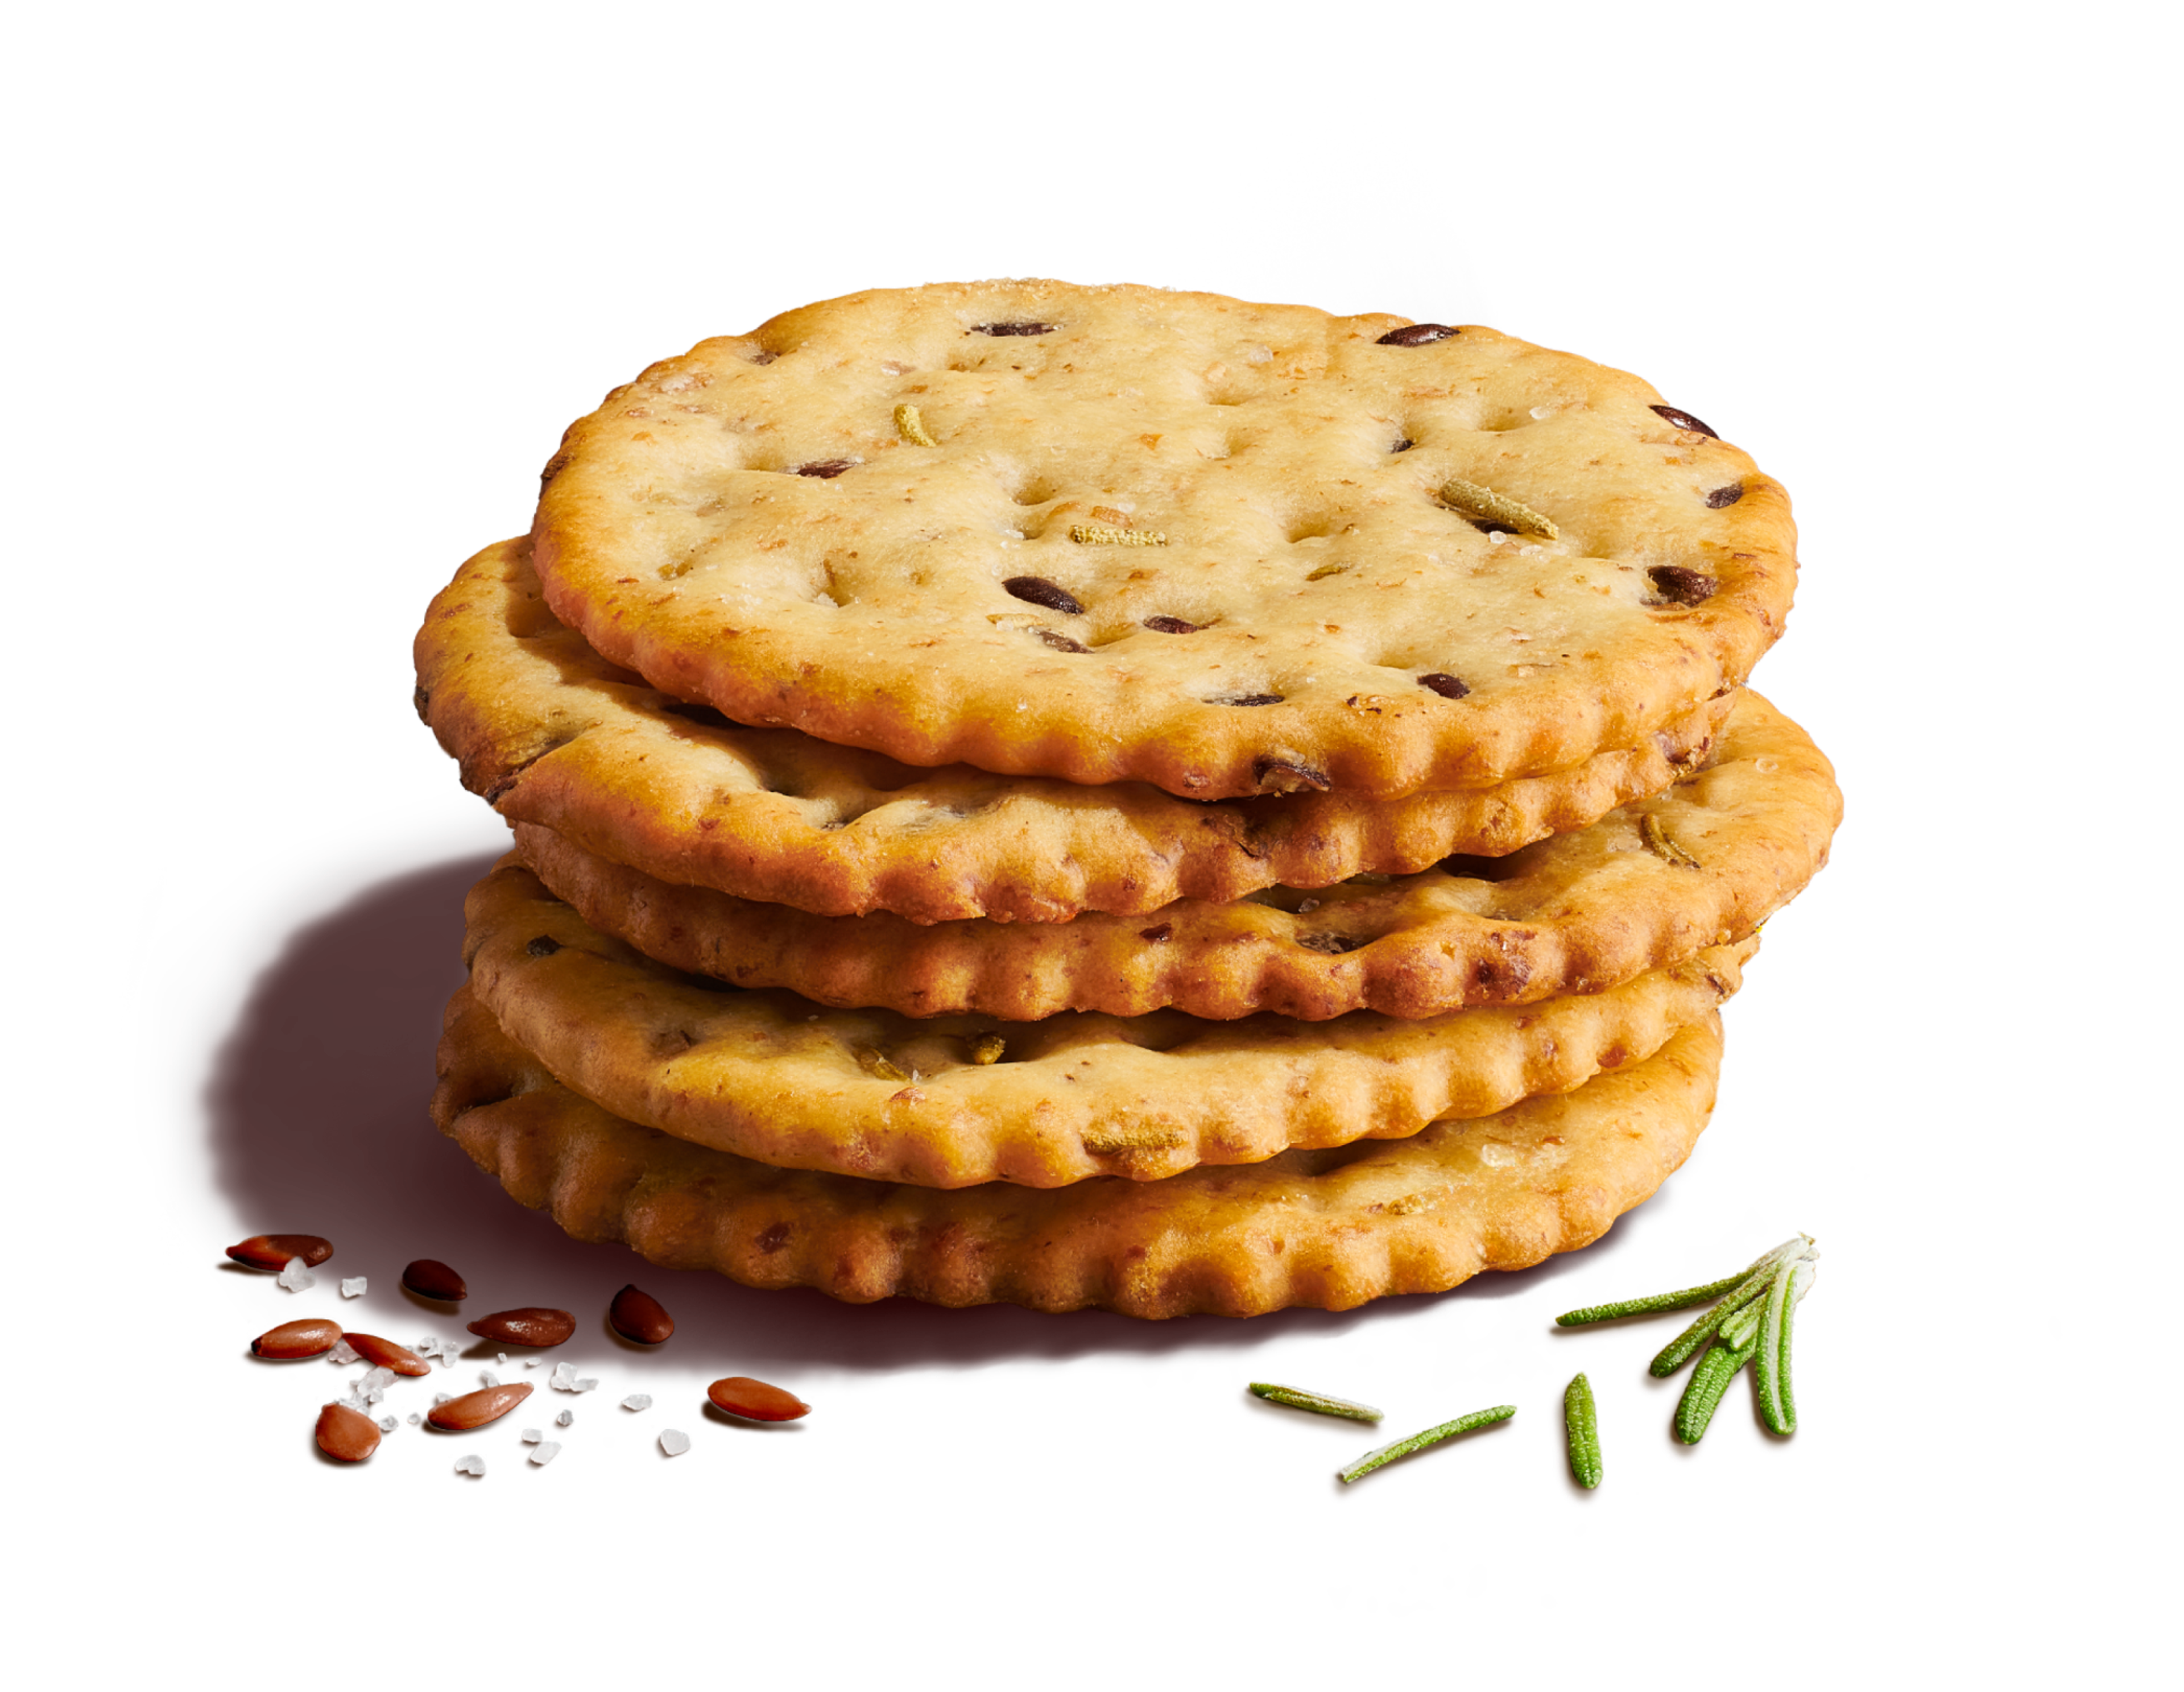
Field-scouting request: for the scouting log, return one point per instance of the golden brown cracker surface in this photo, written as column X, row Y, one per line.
column 768, row 1075
column 553, row 734
column 1329, row 1229
column 1126, row 534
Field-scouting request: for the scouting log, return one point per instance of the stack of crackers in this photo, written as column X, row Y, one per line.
column 1109, row 797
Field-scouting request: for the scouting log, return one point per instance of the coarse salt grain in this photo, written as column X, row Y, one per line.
column 531, row 1436
column 469, row 1465
column 349, row 1401
column 373, row 1383
column 387, row 1424
column 533, row 1362
column 673, row 1441
column 565, row 1419
column 296, row 1277
column 352, row 1287
column 1539, row 411
column 501, row 1358
column 443, row 1397
column 638, row 1401
column 545, row 1454
column 344, row 1353
column 487, row 1378
column 415, row 1419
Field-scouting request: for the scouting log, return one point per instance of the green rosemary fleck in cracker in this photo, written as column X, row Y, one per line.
column 1485, row 505
column 1658, row 843
column 911, row 427
column 879, row 1064
column 1105, row 535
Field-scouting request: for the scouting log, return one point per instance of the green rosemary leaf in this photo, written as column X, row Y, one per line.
column 1297, row 1399
column 1741, row 1331
column 1659, row 1304
column 1769, row 1379
column 1438, row 1433
column 1581, row 1421
column 1709, row 1381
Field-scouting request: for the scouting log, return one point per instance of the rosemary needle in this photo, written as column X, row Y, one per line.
column 1656, row 1306
column 1581, row 1419
column 1770, row 1374
column 1297, row 1399
column 1677, row 1351
column 1438, row 1433
column 1709, row 1381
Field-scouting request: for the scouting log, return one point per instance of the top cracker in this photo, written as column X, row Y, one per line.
column 1121, row 534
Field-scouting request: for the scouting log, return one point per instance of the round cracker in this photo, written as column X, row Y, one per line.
column 551, row 734
column 1171, row 539
column 1703, row 864
column 770, row 1075
column 1324, row 1229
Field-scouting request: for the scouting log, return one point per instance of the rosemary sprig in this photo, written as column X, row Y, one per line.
column 1750, row 1322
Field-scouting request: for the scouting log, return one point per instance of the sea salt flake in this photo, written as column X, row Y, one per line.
column 501, row 1358
column 296, row 1277
column 350, row 1401
column 673, row 1441
column 587, row 1385
column 344, row 1353
column 638, row 1401
column 488, row 1378
column 1539, row 411
column 415, row 1419
column 565, row 1419
column 545, row 1454
column 387, row 1424
column 443, row 1397
column 352, row 1287
column 469, row 1465
column 531, row 1436
column 533, row 1362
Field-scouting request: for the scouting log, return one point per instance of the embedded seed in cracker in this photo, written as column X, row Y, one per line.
column 1335, row 513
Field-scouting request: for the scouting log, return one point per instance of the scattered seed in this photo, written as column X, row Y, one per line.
column 475, row 1410
column 526, row 1325
column 673, row 1442
column 639, row 1317
column 911, row 427
column 1328, row 569
column 1485, row 505
column 1011, row 329
column 1105, row 535
column 1658, row 843
column 272, row 1251
column 827, row 469
column 1172, row 626
column 1441, row 682
column 754, row 1400
column 1730, row 495
column 1246, row 699
column 1061, row 642
column 346, row 1435
column 430, row 1278
column 370, row 1348
column 1110, row 515
column 542, row 946
column 1037, row 590
column 312, row 1336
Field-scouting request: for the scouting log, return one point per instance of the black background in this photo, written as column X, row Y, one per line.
column 376, row 403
